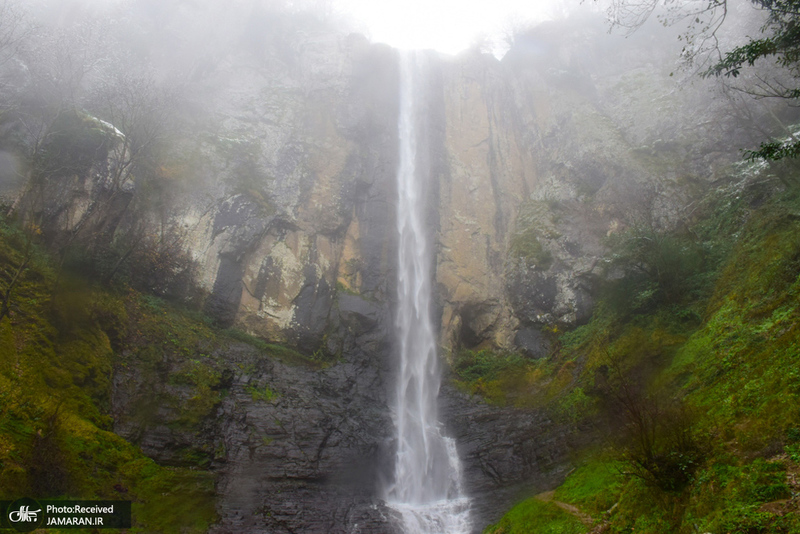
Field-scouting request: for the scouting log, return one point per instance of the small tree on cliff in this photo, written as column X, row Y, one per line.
column 14, row 28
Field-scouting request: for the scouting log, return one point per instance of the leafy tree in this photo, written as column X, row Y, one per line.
column 779, row 42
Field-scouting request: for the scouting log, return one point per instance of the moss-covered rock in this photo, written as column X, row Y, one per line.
column 57, row 352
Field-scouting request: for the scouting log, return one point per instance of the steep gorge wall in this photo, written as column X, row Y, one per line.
column 315, row 269
column 574, row 136
column 487, row 173
column 531, row 162
column 326, row 141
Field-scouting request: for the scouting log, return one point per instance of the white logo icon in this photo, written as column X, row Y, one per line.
column 24, row 515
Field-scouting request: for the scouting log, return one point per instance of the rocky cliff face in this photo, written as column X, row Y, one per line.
column 305, row 256
column 532, row 161
column 322, row 143
column 288, row 211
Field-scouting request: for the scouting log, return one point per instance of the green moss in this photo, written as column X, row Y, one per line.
column 279, row 352
column 288, row 355
column 57, row 353
column 470, row 366
column 527, row 246
column 264, row 394
column 171, row 327
column 174, row 500
column 499, row 377
column 725, row 351
column 350, row 273
column 536, row 222
column 593, row 487
column 341, row 288
column 203, row 380
column 56, row 358
column 244, row 337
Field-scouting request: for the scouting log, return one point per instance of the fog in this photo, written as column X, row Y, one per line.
column 237, row 200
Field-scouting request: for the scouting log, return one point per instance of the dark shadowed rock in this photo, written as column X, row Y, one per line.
column 532, row 342
column 507, row 454
column 359, row 313
column 532, row 294
column 312, row 306
column 311, row 457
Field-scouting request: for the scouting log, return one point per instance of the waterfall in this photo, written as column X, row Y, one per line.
column 427, row 488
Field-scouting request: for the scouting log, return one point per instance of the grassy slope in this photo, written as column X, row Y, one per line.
column 57, row 352
column 728, row 354
column 537, row 516
column 56, row 358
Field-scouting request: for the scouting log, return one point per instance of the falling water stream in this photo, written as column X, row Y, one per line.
column 427, row 488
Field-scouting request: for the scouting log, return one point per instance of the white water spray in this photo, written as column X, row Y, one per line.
column 427, row 488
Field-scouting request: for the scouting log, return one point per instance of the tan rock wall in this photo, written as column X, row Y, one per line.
column 489, row 175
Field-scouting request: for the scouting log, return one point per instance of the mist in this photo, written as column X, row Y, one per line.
column 273, row 266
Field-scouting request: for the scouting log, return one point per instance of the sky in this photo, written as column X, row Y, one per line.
column 448, row 26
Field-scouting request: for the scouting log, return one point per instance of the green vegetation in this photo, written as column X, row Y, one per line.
column 779, row 43
column 341, row 288
column 509, row 379
column 56, row 354
column 261, row 394
column 594, row 487
column 527, row 246
column 351, row 274
column 58, row 346
column 769, row 62
column 661, row 268
column 75, row 143
column 241, row 159
column 694, row 376
column 471, row 366
column 501, row 378
column 286, row 355
column 537, row 516
column 535, row 224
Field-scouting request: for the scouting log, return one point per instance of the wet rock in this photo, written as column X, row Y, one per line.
column 359, row 313
column 309, row 460
column 507, row 454
column 295, row 448
column 312, row 306
column 542, row 146
column 533, row 295
column 532, row 342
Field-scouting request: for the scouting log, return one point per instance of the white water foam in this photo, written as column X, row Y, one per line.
column 427, row 490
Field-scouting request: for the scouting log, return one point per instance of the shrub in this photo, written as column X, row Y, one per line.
column 656, row 268
column 484, row 364
column 261, row 394
column 526, row 246
column 660, row 441
column 47, row 471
